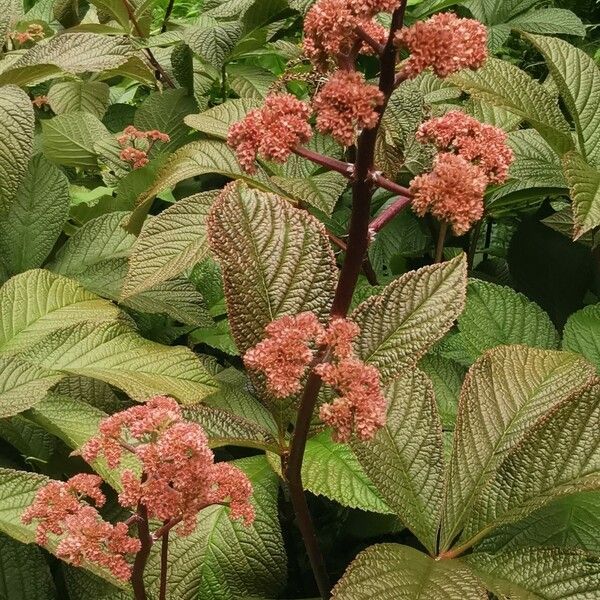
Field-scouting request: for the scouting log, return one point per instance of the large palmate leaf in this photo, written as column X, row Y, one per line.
column 78, row 53
column 570, row 522
column 79, row 96
column 224, row 559
column 25, row 572
column 276, row 260
column 22, row 384
column 578, row 79
column 35, row 218
column 405, row 458
column 584, row 183
column 539, row 573
column 216, row 121
column 558, row 457
column 169, row 244
column 330, row 469
column 502, row 84
column 395, row 572
column 70, row 139
column 17, row 492
column 115, row 354
column 35, row 303
column 496, row 315
column 582, row 334
column 409, row 316
column 504, row 394
column 16, row 133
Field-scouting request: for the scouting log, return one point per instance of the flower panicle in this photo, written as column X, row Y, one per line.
column 137, row 156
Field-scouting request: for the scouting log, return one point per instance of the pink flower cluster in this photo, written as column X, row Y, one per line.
column 285, row 355
column 59, row 509
column 271, row 131
column 452, row 192
column 347, row 103
column 480, row 143
column 40, row 101
column 330, row 29
column 137, row 156
column 445, row 43
column 473, row 155
column 33, row 33
column 180, row 477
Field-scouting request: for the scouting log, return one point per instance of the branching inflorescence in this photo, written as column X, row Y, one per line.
column 177, row 478
column 471, row 156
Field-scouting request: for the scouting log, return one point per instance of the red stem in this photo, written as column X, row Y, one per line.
column 164, row 566
column 365, row 37
column 358, row 241
column 387, row 184
column 141, row 558
column 386, row 215
column 344, row 168
column 167, row 526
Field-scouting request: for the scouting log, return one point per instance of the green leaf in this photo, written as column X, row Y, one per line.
column 70, row 139
column 504, row 85
column 558, row 457
column 405, row 458
column 248, row 81
column 35, row 303
column 22, row 384
column 584, row 183
column 578, row 79
column 78, row 53
column 35, row 218
column 539, row 573
column 17, row 492
column 16, row 133
column 79, row 96
column 276, row 260
column 216, row 121
column 546, row 21
column 570, row 522
column 74, row 422
column 169, row 244
column 28, row 438
column 113, row 353
column 224, row 559
column 321, row 191
column 226, row 429
column 409, row 316
column 166, row 111
column 505, row 393
column 582, row 334
column 212, row 40
column 83, row 585
column 447, row 377
column 116, row 9
column 24, row 572
column 496, row 315
column 395, row 572
column 330, row 469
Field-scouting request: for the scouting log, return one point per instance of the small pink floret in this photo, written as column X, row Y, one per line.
column 347, row 103
column 270, row 132
column 445, row 43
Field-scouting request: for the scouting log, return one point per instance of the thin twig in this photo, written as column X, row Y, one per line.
column 163, row 74
column 365, row 37
column 168, row 12
column 346, row 169
column 395, row 208
column 387, row 184
column 166, row 528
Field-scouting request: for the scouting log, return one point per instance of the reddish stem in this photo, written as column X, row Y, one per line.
column 333, row 164
column 365, row 37
column 167, row 526
column 164, row 566
column 358, row 241
column 386, row 215
column 141, row 558
column 387, row 184
column 439, row 251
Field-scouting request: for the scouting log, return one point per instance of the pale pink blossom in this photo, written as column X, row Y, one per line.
column 453, row 192
column 347, row 103
column 233, row 487
column 285, row 353
column 40, row 101
column 445, row 43
column 136, row 145
column 369, row 8
column 137, row 158
column 360, row 408
column 270, row 132
column 480, row 143
column 339, row 336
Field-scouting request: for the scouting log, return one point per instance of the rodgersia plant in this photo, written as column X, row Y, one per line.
column 282, row 406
